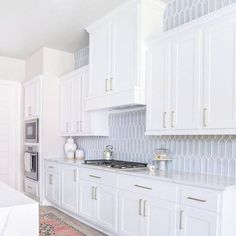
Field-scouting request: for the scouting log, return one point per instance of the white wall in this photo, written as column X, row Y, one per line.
column 12, row 69
column 34, row 65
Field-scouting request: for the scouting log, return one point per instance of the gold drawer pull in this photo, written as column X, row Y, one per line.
column 196, row 199
column 94, row 176
column 51, row 167
column 29, row 187
column 140, row 186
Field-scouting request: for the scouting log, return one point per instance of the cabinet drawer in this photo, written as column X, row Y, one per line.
column 200, row 198
column 153, row 188
column 52, row 166
column 31, row 187
column 100, row 177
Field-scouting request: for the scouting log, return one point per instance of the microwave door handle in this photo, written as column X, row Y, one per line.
column 31, row 164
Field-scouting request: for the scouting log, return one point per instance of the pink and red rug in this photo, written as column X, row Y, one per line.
column 56, row 223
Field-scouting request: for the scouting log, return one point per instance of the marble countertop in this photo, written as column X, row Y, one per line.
column 10, row 197
column 198, row 180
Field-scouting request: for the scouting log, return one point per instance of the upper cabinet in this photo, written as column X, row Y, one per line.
column 191, row 85
column 74, row 120
column 117, row 54
column 219, row 81
column 32, row 98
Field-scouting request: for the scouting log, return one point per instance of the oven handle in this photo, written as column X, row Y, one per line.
column 31, row 162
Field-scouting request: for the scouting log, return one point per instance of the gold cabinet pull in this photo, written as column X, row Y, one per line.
column 172, row 119
column 204, row 117
column 51, row 167
column 196, row 199
column 92, row 193
column 94, row 176
column 50, row 179
column 164, row 119
column 95, row 193
column 67, row 127
column 140, row 207
column 140, row 186
column 144, row 208
column 181, row 220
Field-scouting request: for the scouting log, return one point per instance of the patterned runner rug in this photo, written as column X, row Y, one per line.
column 56, row 223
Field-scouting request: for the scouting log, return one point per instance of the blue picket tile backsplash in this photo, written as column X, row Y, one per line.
column 196, row 154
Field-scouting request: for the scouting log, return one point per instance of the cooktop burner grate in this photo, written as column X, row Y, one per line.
column 115, row 164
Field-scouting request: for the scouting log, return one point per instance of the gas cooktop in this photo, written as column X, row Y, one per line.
column 115, row 164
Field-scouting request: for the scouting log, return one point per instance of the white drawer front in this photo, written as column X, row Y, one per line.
column 153, row 188
column 52, row 166
column 31, row 187
column 200, row 198
column 97, row 176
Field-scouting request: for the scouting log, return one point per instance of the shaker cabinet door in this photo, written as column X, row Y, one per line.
column 100, row 60
column 185, row 83
column 219, row 76
column 158, row 82
column 69, row 188
column 196, row 222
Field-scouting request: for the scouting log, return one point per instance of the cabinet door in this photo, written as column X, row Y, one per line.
column 158, row 82
column 35, row 87
column 76, row 103
column 159, row 217
column 129, row 214
column 219, row 77
column 28, row 100
column 185, row 105
column 196, row 222
column 87, row 207
column 85, row 125
column 100, row 60
column 48, row 186
column 106, row 198
column 65, row 106
column 124, row 61
column 53, row 187
column 69, row 188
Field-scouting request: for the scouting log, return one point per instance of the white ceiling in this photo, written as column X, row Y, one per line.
column 27, row 25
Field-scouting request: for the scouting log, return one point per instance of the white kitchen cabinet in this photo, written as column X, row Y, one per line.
column 107, row 207
column 159, row 217
column 158, row 86
column 185, row 81
column 219, row 91
column 195, row 222
column 32, row 98
column 87, row 204
column 193, row 90
column 100, row 59
column 75, row 121
column 98, row 203
column 117, row 54
column 53, row 187
column 142, row 215
column 69, row 188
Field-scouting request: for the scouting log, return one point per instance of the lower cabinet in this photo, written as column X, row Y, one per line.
column 98, row 203
column 69, row 188
column 53, row 190
column 195, row 222
column 141, row 215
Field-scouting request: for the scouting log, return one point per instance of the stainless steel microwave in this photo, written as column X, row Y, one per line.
column 31, row 131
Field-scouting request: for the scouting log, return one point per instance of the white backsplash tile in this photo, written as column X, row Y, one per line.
column 195, row 154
